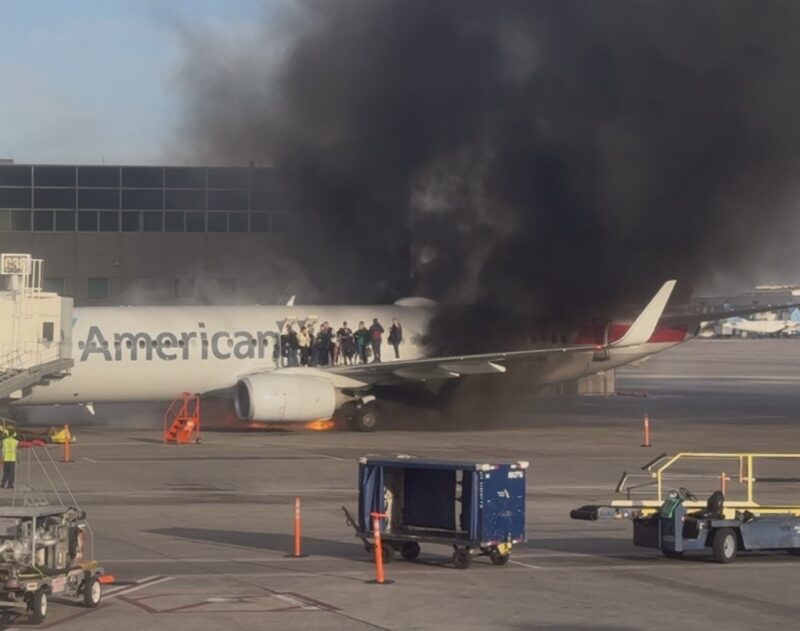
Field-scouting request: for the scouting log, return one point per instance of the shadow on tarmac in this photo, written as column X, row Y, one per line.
column 269, row 541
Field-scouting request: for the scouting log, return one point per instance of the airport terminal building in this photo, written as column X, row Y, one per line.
column 113, row 235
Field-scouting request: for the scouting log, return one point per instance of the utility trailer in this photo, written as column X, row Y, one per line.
column 477, row 508
column 676, row 522
column 43, row 553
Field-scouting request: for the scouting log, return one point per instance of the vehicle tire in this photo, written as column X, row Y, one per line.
column 725, row 545
column 37, row 605
column 367, row 417
column 410, row 550
column 499, row 559
column 672, row 554
column 387, row 552
column 462, row 559
column 92, row 591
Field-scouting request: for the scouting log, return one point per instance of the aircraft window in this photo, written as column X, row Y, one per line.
column 205, row 342
column 105, row 344
column 155, row 343
column 129, row 344
column 167, row 343
column 230, row 342
column 117, row 344
column 141, row 343
column 81, row 345
column 253, row 342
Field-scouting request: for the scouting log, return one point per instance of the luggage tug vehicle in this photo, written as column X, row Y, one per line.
column 676, row 521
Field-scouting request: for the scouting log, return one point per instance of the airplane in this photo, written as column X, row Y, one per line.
column 131, row 354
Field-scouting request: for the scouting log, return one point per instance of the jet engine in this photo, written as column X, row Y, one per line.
column 276, row 397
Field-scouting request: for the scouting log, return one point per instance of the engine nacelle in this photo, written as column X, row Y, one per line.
column 276, row 397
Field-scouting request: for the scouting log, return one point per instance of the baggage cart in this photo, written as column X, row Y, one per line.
column 477, row 508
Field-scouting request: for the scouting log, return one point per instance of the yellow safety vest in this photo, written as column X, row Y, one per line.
column 10, row 449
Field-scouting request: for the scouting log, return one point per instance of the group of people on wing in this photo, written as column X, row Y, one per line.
column 326, row 347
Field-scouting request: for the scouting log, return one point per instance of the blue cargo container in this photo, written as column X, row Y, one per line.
column 477, row 508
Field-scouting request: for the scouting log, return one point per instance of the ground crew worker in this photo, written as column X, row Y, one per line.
column 10, row 443
column 376, row 332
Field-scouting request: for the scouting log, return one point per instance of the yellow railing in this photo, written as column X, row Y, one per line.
column 659, row 468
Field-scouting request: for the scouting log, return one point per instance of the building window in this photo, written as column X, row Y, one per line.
column 142, row 177
column 227, row 200
column 142, row 200
column 173, row 222
column 54, row 284
column 259, row 222
column 98, row 198
column 225, row 177
column 15, row 197
column 109, row 221
column 130, row 222
column 21, row 220
column 217, row 222
column 98, row 288
column 54, row 198
column 237, row 222
column 100, row 177
column 185, row 177
column 43, row 221
column 5, row 221
column 15, row 175
column 280, row 222
column 185, row 200
column 153, row 222
column 195, row 222
column 53, row 176
column 65, row 220
column 87, row 221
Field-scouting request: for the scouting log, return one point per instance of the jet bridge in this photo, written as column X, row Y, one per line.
column 35, row 328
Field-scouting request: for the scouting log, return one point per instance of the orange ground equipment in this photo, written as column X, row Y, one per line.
column 182, row 420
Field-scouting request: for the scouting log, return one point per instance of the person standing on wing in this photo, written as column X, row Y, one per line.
column 396, row 336
column 376, row 334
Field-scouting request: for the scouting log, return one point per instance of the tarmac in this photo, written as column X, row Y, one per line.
column 197, row 535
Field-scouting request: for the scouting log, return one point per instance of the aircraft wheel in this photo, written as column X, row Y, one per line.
column 367, row 417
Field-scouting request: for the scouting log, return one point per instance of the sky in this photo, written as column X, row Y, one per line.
column 97, row 82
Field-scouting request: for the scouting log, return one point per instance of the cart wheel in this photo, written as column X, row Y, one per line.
column 672, row 554
column 92, row 592
column 462, row 559
column 37, row 605
column 410, row 550
column 499, row 559
column 724, row 546
column 387, row 552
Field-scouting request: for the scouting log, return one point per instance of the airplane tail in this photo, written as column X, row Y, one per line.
column 645, row 324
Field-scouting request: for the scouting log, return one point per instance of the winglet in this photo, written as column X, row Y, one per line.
column 645, row 324
column 290, row 302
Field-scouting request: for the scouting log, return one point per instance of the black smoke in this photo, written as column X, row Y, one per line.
column 533, row 159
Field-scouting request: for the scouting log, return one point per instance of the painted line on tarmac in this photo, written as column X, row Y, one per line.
column 528, row 565
column 145, row 582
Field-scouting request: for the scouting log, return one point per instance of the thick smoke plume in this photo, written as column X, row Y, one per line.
column 535, row 159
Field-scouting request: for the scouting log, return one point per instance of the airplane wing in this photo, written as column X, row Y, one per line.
column 450, row 367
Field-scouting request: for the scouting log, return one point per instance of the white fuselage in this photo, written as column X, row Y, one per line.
column 126, row 354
